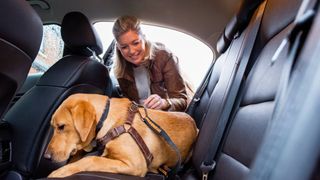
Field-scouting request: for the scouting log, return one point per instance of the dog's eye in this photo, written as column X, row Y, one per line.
column 61, row 127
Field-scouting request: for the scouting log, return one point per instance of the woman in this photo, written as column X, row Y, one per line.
column 147, row 72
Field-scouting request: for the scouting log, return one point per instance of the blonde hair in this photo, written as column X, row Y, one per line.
column 122, row 25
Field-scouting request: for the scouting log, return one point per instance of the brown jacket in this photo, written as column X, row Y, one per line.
column 165, row 78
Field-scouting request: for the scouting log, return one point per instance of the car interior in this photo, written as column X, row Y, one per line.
column 256, row 108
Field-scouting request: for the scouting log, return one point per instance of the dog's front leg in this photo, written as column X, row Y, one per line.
column 102, row 164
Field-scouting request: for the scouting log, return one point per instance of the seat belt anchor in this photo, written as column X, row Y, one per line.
column 206, row 168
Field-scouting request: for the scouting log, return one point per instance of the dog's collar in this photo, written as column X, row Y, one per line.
column 103, row 116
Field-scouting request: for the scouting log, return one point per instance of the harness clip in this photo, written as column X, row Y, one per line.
column 134, row 107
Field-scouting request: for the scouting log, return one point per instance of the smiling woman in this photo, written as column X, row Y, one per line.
column 194, row 55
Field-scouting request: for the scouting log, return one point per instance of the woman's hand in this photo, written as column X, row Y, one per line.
column 154, row 101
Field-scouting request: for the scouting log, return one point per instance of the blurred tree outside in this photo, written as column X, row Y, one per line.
column 50, row 51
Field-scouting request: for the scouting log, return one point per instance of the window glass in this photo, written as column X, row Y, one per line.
column 50, row 51
column 194, row 56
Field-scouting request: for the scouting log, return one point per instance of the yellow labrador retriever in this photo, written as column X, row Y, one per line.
column 75, row 122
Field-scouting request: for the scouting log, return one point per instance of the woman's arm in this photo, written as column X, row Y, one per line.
column 174, row 84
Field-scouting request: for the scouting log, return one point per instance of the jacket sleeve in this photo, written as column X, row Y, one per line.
column 174, row 84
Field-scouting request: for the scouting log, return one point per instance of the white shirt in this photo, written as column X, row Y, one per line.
column 142, row 79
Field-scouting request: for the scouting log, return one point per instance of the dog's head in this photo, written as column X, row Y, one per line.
column 74, row 128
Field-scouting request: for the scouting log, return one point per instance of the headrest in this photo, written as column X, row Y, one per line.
column 238, row 23
column 78, row 34
column 277, row 15
column 20, row 26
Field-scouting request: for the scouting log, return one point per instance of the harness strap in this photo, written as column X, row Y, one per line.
column 111, row 134
column 117, row 131
column 133, row 109
column 104, row 115
column 143, row 147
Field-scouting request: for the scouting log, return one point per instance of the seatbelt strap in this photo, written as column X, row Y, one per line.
column 264, row 165
column 94, row 55
column 295, row 39
column 197, row 97
column 107, row 57
column 209, row 163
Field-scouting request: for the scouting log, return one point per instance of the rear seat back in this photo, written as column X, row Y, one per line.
column 209, row 111
column 217, row 87
column 249, row 119
column 290, row 149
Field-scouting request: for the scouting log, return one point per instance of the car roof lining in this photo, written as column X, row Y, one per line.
column 204, row 20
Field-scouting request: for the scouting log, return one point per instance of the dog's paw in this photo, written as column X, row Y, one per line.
column 59, row 173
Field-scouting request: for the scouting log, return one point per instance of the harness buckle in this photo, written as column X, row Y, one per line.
column 118, row 131
column 164, row 170
column 133, row 107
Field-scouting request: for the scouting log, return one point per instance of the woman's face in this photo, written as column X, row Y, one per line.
column 132, row 47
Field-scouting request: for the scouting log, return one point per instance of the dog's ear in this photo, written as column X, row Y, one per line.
column 83, row 115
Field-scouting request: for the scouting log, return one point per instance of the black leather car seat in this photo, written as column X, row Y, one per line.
column 20, row 39
column 252, row 116
column 254, row 107
column 215, row 101
column 77, row 72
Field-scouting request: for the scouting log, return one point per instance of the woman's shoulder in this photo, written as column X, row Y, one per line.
column 160, row 48
column 161, row 53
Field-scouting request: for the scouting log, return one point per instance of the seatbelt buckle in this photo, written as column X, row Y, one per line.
column 205, row 169
column 279, row 50
column 302, row 20
column 196, row 99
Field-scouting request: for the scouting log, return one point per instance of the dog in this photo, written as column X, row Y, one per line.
column 74, row 123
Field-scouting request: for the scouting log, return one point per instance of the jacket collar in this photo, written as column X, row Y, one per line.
column 129, row 75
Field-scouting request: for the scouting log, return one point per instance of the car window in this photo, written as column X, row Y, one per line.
column 50, row 51
column 194, row 55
